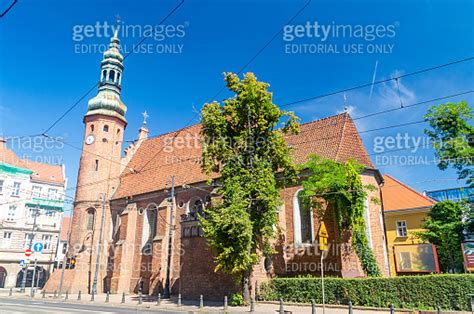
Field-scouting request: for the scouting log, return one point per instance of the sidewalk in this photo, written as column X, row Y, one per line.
column 192, row 306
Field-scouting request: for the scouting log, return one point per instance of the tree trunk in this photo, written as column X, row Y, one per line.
column 246, row 286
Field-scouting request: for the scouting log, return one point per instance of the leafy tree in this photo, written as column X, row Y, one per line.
column 453, row 137
column 444, row 228
column 340, row 186
column 244, row 139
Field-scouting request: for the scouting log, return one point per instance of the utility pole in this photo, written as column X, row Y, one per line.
column 96, row 273
column 30, row 244
column 167, row 292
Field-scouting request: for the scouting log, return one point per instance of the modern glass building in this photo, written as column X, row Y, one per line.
column 454, row 194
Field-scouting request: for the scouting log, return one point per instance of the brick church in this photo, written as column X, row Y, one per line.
column 134, row 225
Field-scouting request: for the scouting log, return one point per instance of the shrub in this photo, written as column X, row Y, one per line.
column 236, row 299
column 422, row 292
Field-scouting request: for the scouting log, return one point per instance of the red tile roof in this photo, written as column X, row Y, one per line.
column 41, row 172
column 156, row 160
column 397, row 195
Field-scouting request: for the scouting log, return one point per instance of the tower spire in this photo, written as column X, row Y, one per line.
column 107, row 101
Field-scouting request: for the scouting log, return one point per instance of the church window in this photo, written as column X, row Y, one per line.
column 92, row 128
column 90, row 218
column 118, row 77
column 106, row 128
column 96, row 165
column 148, row 230
column 112, row 76
column 302, row 220
column 104, row 75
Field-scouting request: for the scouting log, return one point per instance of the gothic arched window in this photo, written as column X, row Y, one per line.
column 118, row 78
column 302, row 221
column 90, row 218
column 149, row 229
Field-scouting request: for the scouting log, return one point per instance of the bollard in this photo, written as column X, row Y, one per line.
column 93, row 295
column 350, row 307
column 392, row 311
column 252, row 305
column 225, row 304
column 158, row 300
column 54, row 295
column 107, row 296
column 11, row 292
column 79, row 296
column 44, row 294
column 282, row 309
column 179, row 299
column 201, row 302
column 439, row 309
column 140, row 297
column 123, row 297
column 67, row 295
column 313, row 306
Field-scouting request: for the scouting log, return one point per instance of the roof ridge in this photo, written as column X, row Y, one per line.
column 325, row 118
column 411, row 189
column 342, row 136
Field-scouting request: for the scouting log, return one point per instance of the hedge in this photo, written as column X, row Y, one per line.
column 412, row 292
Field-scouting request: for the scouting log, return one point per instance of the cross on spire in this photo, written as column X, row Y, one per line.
column 145, row 116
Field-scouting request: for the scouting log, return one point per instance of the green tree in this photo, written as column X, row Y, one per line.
column 453, row 137
column 244, row 140
column 340, row 186
column 444, row 228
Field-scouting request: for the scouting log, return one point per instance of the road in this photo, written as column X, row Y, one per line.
column 17, row 306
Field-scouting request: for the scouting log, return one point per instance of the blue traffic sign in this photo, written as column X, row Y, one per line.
column 22, row 263
column 38, row 247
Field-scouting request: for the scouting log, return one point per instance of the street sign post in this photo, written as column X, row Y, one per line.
column 38, row 247
column 323, row 247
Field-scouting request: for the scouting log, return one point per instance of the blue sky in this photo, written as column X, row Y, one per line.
column 42, row 74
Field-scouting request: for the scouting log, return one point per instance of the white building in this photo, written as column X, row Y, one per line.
column 28, row 189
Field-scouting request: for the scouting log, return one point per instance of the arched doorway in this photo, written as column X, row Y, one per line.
column 3, row 276
column 41, row 276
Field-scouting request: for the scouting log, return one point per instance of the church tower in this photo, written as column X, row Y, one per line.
column 98, row 177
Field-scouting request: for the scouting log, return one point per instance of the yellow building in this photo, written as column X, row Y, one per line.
column 405, row 211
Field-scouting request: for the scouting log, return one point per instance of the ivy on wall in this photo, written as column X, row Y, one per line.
column 340, row 185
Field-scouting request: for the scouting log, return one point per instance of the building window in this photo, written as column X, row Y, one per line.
column 118, row 78
column 112, row 75
column 7, row 239
column 90, row 218
column 106, row 128
column 64, row 250
column 402, row 228
column 302, row 221
column 50, row 213
column 1, row 186
column 96, row 165
column 16, row 189
column 52, row 194
column 29, row 237
column 104, row 75
column 11, row 213
column 92, row 128
column 46, row 239
column 148, row 230
column 36, row 191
